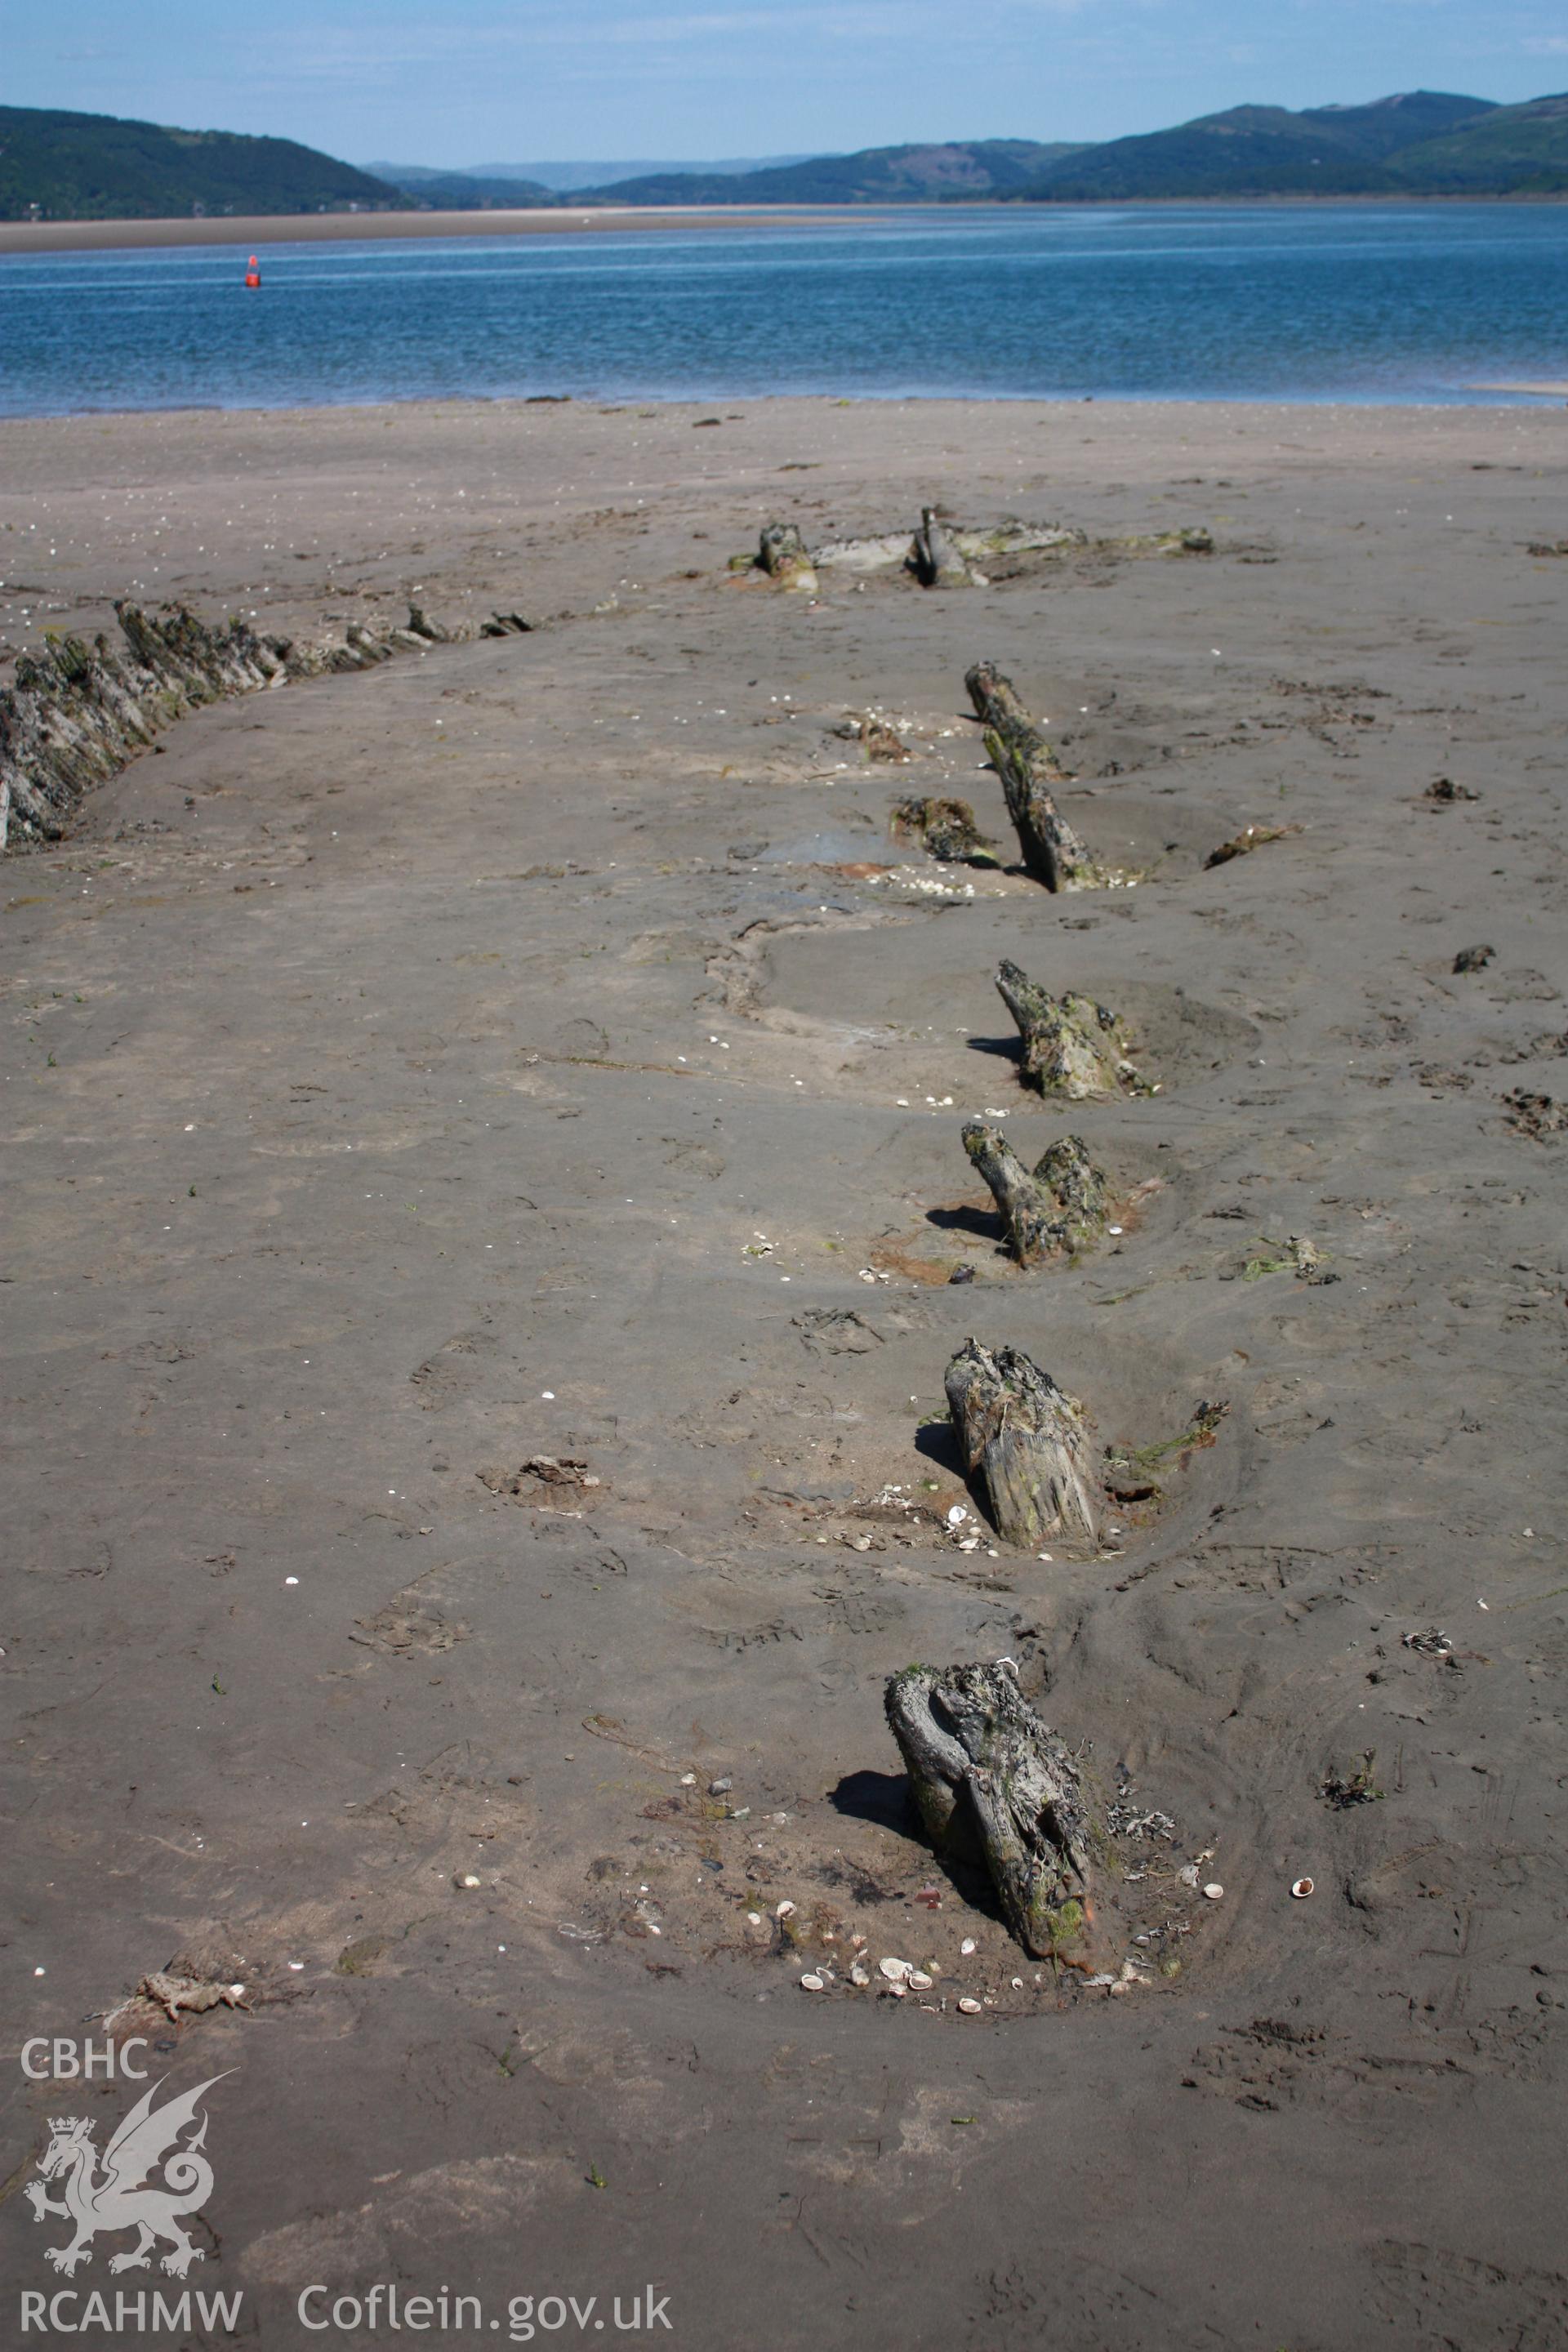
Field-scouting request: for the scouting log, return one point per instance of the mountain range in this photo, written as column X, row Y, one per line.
column 877, row 175
column 564, row 179
column 1420, row 143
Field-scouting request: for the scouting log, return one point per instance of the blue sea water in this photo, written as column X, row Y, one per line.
column 1403, row 303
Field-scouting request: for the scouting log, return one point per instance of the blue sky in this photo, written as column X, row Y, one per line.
column 458, row 81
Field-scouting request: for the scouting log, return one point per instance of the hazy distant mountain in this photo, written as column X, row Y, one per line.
column 63, row 166
column 465, row 192
column 565, row 177
column 1266, row 150
column 915, row 174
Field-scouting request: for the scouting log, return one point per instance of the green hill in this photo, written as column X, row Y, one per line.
column 877, row 175
column 60, row 166
column 1514, row 151
column 1266, row 150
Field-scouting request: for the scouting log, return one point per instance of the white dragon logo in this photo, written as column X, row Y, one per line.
column 121, row 2197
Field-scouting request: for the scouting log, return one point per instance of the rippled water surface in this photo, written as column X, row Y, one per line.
column 1432, row 302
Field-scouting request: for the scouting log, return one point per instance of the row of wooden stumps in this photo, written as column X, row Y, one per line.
column 992, row 1783
column 73, row 715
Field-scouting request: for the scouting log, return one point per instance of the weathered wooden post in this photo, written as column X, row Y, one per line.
column 1061, row 1207
column 1028, row 1442
column 1053, row 852
column 1072, row 1045
column 993, row 1784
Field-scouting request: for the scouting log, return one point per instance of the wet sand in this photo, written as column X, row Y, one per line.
column 539, row 1047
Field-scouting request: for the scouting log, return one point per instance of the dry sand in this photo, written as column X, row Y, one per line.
column 521, row 1050
column 332, row 228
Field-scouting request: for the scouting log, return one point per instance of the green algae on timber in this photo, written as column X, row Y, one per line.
column 1130, row 1470
column 1072, row 1045
column 1059, row 1209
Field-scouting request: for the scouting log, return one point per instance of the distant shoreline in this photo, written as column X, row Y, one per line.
column 321, row 228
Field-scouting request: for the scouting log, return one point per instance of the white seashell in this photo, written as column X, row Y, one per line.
column 957, row 1516
column 857, row 1975
column 783, row 1910
column 1213, row 1890
column 1301, row 1889
column 894, row 1970
column 1188, row 1874
column 811, row 1982
column 899, row 1992
column 967, row 1945
column 468, row 1879
column 919, row 1980
column 969, row 2005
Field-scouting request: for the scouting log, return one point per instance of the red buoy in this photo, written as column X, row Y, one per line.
column 253, row 272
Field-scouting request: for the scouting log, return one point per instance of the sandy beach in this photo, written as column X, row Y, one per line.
column 333, row 228
column 540, row 1049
